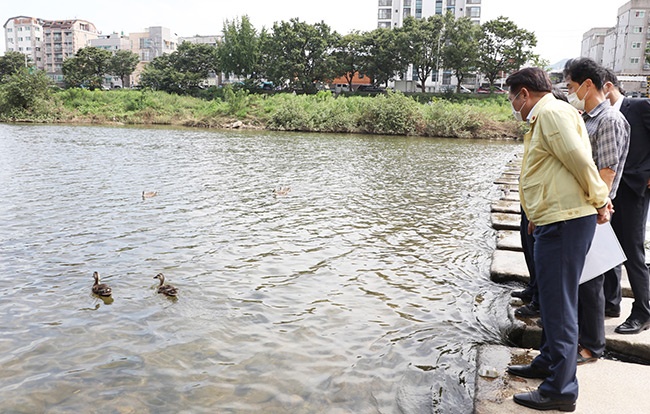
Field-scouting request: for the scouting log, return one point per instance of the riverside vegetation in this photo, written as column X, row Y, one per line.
column 393, row 113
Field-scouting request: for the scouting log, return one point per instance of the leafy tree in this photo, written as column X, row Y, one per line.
column 384, row 57
column 423, row 40
column 11, row 63
column 240, row 50
column 348, row 56
column 87, row 68
column 24, row 91
column 298, row 53
column 182, row 71
column 503, row 47
column 460, row 52
column 122, row 64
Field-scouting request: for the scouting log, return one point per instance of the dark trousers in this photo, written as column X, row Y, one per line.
column 591, row 315
column 560, row 250
column 629, row 223
column 528, row 246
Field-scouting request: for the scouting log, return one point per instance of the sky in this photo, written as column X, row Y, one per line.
column 558, row 24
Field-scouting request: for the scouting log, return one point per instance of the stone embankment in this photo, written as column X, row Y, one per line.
column 607, row 386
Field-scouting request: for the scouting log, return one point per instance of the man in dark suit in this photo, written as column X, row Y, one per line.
column 631, row 210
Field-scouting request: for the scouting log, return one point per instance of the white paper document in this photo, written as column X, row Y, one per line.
column 604, row 254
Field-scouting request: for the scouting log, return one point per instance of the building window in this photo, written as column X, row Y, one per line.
column 634, row 60
column 438, row 6
column 9, row 30
column 636, row 45
column 407, row 3
column 384, row 14
column 384, row 25
column 637, row 29
column 386, row 3
column 473, row 2
column 451, row 3
column 20, row 29
column 639, row 13
column 28, row 38
column 474, row 12
column 407, row 12
column 418, row 9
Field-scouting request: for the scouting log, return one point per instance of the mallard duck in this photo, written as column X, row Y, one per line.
column 168, row 290
column 101, row 289
column 149, row 194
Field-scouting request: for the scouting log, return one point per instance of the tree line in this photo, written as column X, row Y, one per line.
column 298, row 56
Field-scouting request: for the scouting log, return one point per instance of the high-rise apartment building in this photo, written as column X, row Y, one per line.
column 391, row 13
column 625, row 47
column 25, row 35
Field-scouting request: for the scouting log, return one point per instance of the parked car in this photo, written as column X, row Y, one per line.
column 486, row 89
column 371, row 89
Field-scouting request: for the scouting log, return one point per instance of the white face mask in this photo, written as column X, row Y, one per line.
column 578, row 104
column 517, row 114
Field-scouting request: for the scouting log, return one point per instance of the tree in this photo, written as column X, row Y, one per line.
column 503, row 47
column 460, row 52
column 240, row 51
column 299, row 54
column 423, row 40
column 122, row 64
column 24, row 91
column 87, row 68
column 11, row 63
column 348, row 56
column 182, row 71
column 384, row 58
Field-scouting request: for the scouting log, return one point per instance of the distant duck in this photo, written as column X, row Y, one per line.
column 101, row 289
column 282, row 191
column 149, row 194
column 168, row 290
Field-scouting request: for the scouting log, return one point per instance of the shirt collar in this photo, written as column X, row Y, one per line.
column 618, row 103
column 597, row 110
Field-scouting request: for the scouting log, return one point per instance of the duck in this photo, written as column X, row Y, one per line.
column 282, row 191
column 101, row 289
column 149, row 194
column 168, row 290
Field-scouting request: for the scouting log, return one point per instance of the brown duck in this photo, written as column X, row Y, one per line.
column 101, row 289
column 168, row 290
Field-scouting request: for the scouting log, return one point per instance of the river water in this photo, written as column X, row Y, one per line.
column 363, row 289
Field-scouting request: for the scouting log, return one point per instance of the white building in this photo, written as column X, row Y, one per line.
column 392, row 13
column 625, row 47
column 25, row 35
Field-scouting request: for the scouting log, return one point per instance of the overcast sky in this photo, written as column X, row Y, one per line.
column 558, row 24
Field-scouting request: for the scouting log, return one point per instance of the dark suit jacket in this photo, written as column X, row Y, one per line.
column 637, row 166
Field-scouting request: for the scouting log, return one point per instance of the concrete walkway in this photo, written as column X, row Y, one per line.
column 606, row 386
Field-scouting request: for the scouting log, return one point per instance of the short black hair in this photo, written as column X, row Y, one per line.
column 533, row 79
column 559, row 94
column 610, row 76
column 581, row 69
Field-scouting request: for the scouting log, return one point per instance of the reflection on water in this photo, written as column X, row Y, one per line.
column 364, row 289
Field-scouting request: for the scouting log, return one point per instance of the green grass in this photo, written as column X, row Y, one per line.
column 390, row 114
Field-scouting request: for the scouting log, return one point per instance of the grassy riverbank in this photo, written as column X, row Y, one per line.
column 393, row 113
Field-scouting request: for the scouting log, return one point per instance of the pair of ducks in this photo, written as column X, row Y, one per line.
column 102, row 289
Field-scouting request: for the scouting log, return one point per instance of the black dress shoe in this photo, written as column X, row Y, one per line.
column 524, row 295
column 537, row 401
column 528, row 311
column 612, row 312
column 528, row 371
column 632, row 326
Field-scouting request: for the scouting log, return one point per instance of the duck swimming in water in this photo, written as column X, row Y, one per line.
column 168, row 290
column 101, row 289
column 149, row 194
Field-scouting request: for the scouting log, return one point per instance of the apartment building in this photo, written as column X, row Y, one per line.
column 624, row 47
column 391, row 13
column 24, row 34
column 148, row 45
column 62, row 39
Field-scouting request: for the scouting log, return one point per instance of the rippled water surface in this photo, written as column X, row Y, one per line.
column 364, row 289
